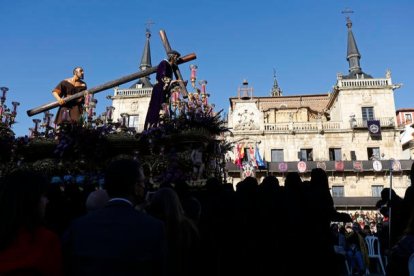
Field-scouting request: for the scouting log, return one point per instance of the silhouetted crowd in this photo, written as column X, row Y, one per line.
column 123, row 226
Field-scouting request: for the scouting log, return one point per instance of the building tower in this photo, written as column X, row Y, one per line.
column 133, row 102
column 353, row 56
column 350, row 132
column 276, row 91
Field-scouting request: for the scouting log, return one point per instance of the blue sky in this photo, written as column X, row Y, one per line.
column 304, row 41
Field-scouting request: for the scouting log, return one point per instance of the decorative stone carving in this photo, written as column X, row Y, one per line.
column 388, row 74
column 247, row 117
column 366, row 97
column 134, row 106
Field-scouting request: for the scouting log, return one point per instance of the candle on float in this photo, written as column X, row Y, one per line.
column 87, row 99
column 15, row 105
column 175, row 95
column 203, row 84
column 193, row 71
column 4, row 89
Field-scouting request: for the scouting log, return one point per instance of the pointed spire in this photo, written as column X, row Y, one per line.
column 353, row 55
column 146, row 54
column 145, row 82
column 276, row 91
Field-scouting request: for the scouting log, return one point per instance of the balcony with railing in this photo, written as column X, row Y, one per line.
column 320, row 127
column 302, row 127
column 363, row 123
column 367, row 83
column 133, row 92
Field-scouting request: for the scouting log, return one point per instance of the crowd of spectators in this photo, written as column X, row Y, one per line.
column 114, row 223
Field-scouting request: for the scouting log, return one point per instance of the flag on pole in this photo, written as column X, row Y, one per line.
column 259, row 159
column 237, row 159
column 241, row 152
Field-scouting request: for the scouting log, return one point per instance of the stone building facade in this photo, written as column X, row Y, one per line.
column 351, row 132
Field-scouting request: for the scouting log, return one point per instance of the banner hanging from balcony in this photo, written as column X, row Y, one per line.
column 248, row 169
column 259, row 159
column 358, row 167
column 251, row 156
column 283, row 167
column 302, row 166
column 339, row 166
column 374, row 127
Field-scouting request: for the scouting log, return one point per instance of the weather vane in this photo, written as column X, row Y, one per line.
column 148, row 24
column 347, row 11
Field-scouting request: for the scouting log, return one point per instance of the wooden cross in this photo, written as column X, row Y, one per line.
column 177, row 72
column 106, row 86
column 124, row 79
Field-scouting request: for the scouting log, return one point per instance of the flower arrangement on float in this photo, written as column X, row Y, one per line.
column 189, row 129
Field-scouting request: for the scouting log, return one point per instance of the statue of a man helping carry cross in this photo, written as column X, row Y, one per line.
column 175, row 58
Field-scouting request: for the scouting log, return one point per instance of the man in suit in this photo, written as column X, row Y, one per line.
column 117, row 239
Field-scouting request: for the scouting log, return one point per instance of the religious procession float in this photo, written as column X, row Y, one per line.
column 187, row 144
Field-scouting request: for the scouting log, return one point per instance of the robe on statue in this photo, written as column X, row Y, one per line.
column 75, row 107
column 160, row 93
